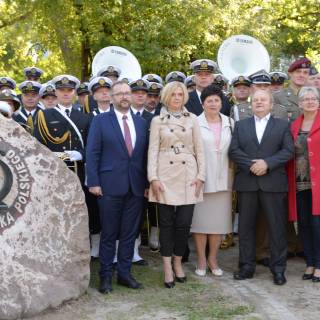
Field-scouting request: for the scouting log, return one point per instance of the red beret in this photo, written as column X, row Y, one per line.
column 300, row 63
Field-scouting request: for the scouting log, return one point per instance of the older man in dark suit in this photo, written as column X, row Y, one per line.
column 261, row 146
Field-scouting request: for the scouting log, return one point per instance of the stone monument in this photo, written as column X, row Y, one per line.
column 44, row 235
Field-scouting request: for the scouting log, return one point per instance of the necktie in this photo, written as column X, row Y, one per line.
column 138, row 113
column 68, row 112
column 127, row 135
column 30, row 126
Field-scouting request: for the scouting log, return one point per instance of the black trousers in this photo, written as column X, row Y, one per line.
column 309, row 228
column 175, row 223
column 274, row 206
column 93, row 211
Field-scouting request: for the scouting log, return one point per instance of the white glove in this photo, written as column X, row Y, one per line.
column 74, row 155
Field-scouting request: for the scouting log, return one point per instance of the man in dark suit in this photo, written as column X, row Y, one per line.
column 203, row 71
column 116, row 171
column 261, row 146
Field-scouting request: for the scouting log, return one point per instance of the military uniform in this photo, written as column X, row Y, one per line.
column 241, row 110
column 288, row 98
column 27, row 118
column 56, row 132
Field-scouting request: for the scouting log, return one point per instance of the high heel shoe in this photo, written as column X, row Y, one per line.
column 307, row 276
column 169, row 285
column 216, row 272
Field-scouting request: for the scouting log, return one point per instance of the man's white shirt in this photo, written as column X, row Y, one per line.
column 261, row 124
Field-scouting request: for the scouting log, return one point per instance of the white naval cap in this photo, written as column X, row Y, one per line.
column 99, row 82
column 65, row 81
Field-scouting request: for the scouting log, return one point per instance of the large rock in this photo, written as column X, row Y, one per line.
column 44, row 238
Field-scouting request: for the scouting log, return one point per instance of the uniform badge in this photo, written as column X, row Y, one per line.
column 154, row 86
column 29, row 85
column 174, row 75
column 33, row 70
column 102, row 82
column 140, row 83
column 126, row 80
column 150, row 77
column 110, row 69
column 241, row 79
column 64, row 80
column 204, row 64
column 50, row 89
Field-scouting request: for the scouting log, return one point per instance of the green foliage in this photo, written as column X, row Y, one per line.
column 163, row 35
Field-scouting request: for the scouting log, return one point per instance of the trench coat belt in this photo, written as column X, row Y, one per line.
column 176, row 150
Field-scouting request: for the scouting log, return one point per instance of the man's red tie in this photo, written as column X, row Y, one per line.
column 127, row 135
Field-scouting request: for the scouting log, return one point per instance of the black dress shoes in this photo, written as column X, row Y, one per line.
column 169, row 285
column 130, row 282
column 307, row 276
column 279, row 278
column 105, row 285
column 242, row 275
column 141, row 262
column 315, row 279
column 181, row 279
column 264, row 262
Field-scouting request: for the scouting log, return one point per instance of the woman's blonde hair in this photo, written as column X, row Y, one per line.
column 168, row 90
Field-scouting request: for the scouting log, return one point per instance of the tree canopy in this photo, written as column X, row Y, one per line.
column 62, row 36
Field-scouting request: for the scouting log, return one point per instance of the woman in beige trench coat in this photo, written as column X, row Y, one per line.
column 176, row 172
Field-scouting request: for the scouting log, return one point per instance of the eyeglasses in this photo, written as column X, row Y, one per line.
column 310, row 99
column 119, row 94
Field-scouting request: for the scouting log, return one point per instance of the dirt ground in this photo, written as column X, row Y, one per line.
column 200, row 298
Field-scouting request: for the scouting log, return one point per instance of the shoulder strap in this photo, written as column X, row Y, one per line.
column 72, row 125
column 24, row 117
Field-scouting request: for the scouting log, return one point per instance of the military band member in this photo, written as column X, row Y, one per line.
column 99, row 88
column 63, row 129
column 314, row 78
column 241, row 92
column 110, row 71
column 221, row 81
column 48, row 95
column 7, row 83
column 277, row 80
column 30, row 105
column 175, row 76
column 204, row 70
column 190, row 84
column 140, row 89
column 83, row 93
column 288, row 97
column 152, row 77
column 153, row 104
column 33, row 73
column 261, row 80
column 11, row 98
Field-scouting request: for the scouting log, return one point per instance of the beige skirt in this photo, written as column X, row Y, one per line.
column 214, row 214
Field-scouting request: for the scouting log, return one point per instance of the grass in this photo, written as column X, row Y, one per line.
column 191, row 301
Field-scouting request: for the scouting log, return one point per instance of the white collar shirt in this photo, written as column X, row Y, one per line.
column 64, row 108
column 103, row 111
column 261, row 124
column 130, row 125
column 135, row 111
